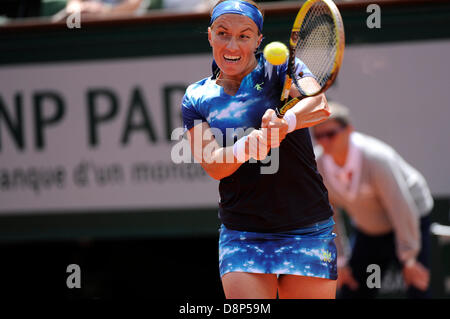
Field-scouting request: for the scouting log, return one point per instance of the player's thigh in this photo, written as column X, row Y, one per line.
column 243, row 285
column 302, row 287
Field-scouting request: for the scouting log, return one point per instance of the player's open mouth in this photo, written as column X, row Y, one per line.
column 231, row 58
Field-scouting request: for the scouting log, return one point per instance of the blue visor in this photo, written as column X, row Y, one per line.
column 238, row 7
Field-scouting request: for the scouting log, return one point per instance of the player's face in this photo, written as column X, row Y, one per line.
column 332, row 136
column 234, row 39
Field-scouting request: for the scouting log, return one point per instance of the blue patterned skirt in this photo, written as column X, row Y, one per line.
column 308, row 251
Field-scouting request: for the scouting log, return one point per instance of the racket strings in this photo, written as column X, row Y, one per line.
column 317, row 46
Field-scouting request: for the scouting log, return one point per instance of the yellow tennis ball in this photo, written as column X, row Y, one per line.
column 276, row 53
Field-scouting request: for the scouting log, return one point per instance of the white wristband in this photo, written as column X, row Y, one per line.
column 239, row 149
column 291, row 120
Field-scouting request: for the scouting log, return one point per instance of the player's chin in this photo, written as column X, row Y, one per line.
column 231, row 68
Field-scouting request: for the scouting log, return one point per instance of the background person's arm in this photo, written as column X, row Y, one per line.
column 402, row 211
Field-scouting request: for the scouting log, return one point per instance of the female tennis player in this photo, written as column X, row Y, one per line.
column 276, row 234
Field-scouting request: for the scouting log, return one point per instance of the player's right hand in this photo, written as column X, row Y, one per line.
column 256, row 145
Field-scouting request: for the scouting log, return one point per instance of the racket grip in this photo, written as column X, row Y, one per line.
column 280, row 111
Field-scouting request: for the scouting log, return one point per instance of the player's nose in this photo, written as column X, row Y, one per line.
column 232, row 44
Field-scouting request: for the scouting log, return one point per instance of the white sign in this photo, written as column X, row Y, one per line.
column 96, row 135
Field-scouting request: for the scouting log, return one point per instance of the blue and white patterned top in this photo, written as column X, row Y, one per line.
column 292, row 197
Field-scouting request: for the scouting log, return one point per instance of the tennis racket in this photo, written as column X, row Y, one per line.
column 317, row 39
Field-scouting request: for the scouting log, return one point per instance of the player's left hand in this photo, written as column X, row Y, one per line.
column 276, row 128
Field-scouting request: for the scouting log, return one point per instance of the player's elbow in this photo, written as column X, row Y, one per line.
column 213, row 172
column 216, row 176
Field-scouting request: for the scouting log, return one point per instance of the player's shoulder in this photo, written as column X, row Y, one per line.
column 197, row 90
column 197, row 86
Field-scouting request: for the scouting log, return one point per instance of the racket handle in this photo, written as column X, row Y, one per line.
column 280, row 111
column 286, row 89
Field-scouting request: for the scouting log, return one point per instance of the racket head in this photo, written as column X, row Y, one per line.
column 318, row 40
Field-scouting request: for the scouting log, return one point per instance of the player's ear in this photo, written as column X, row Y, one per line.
column 260, row 38
column 209, row 35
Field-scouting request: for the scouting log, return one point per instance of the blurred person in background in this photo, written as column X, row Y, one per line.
column 189, row 5
column 196, row 5
column 388, row 202
column 107, row 6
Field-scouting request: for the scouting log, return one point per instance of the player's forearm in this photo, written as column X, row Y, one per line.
column 217, row 161
column 311, row 111
column 220, row 163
